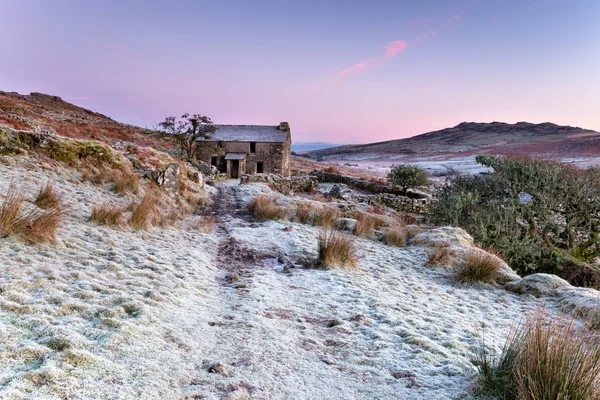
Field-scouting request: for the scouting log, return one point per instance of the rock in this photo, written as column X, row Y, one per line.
column 346, row 224
column 443, row 235
column 215, row 367
column 335, row 192
column 581, row 302
column 506, row 275
column 537, row 284
column 329, row 360
column 171, row 180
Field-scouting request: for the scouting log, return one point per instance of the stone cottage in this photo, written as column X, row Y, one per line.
column 248, row 149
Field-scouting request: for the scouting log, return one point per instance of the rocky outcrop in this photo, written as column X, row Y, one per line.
column 537, row 284
column 293, row 184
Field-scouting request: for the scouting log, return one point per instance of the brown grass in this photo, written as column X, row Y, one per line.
column 304, row 213
column 33, row 226
column 478, row 266
column 545, row 358
column 107, row 214
column 10, row 209
column 366, row 225
column 394, row 236
column 332, row 170
column 337, row 250
column 47, row 197
column 266, row 208
column 207, row 224
column 125, row 181
column 440, row 255
column 39, row 226
column 142, row 212
column 325, row 217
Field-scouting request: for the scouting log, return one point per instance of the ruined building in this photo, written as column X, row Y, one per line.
column 248, row 149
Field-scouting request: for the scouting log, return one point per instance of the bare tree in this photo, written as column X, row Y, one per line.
column 186, row 131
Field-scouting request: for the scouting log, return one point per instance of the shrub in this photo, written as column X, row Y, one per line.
column 107, row 214
column 395, row 236
column 337, row 250
column 541, row 215
column 325, row 217
column 408, row 176
column 545, row 358
column 266, row 208
column 141, row 212
column 11, row 207
column 332, row 170
column 440, row 255
column 47, row 197
column 125, row 181
column 478, row 266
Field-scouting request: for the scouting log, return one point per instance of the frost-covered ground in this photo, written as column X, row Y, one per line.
column 174, row 313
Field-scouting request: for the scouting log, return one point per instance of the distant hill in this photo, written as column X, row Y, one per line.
column 471, row 138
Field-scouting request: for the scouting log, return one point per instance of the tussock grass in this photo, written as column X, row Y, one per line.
column 337, row 250
column 544, row 358
column 478, row 266
column 142, row 212
column 266, row 208
column 440, row 255
column 394, row 236
column 107, row 214
column 325, row 217
column 10, row 209
column 207, row 224
column 366, row 224
column 304, row 213
column 37, row 226
column 47, row 197
column 31, row 226
column 125, row 181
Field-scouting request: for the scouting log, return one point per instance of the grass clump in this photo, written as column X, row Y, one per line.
column 207, row 224
column 47, row 197
column 478, row 266
column 337, row 250
column 10, row 209
column 304, row 213
column 125, row 181
column 394, row 236
column 107, row 214
column 266, row 208
column 33, row 225
column 544, row 358
column 142, row 212
column 440, row 255
column 325, row 217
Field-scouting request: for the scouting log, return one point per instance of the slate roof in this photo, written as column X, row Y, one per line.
column 247, row 133
column 235, row 156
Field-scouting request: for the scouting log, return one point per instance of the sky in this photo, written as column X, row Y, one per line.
column 338, row 71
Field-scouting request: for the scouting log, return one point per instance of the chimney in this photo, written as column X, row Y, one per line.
column 284, row 126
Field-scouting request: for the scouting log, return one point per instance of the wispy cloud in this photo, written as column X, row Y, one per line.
column 391, row 50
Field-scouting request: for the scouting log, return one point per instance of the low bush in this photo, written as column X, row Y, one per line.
column 337, row 250
column 408, row 176
column 47, row 197
column 544, row 358
column 107, row 214
column 394, row 236
column 478, row 266
column 266, row 208
column 440, row 255
column 142, row 212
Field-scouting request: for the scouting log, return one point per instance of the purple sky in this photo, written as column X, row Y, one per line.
column 338, row 71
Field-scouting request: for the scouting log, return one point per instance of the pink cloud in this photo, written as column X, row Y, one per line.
column 394, row 48
column 355, row 69
column 391, row 50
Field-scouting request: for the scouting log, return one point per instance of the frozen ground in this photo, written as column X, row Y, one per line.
column 174, row 313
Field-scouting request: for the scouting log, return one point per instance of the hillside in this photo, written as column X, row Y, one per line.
column 38, row 111
column 471, row 138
